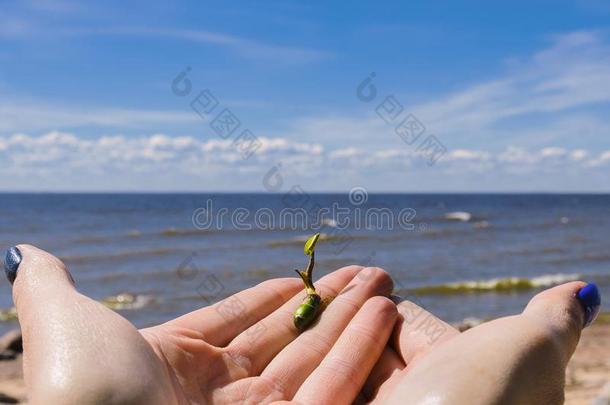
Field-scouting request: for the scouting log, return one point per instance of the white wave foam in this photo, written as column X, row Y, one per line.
column 458, row 216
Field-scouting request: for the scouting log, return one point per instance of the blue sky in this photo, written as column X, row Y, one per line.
column 517, row 95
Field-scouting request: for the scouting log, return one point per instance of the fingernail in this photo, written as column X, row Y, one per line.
column 591, row 302
column 11, row 263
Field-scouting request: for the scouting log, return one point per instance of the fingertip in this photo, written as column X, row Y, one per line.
column 28, row 249
column 566, row 309
column 378, row 276
column 382, row 305
column 563, row 293
column 33, row 270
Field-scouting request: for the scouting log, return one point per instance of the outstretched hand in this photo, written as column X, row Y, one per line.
column 517, row 359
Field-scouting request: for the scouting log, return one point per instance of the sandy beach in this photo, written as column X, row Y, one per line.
column 587, row 375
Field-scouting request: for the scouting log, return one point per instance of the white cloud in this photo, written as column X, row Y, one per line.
column 578, row 154
column 345, row 153
column 602, row 159
column 465, row 154
column 63, row 152
column 572, row 73
column 552, row 151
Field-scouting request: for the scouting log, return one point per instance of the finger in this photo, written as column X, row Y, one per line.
column 560, row 310
column 418, row 332
column 260, row 343
column 389, row 364
column 221, row 322
column 68, row 337
column 293, row 364
column 340, row 376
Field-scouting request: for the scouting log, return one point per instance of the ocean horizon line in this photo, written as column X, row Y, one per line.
column 243, row 192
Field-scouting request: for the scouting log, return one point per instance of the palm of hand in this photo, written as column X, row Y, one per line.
column 245, row 349
column 214, row 370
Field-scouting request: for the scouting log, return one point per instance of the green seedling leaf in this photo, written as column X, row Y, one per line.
column 310, row 245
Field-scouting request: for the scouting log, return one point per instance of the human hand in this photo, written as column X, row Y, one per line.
column 513, row 360
column 76, row 351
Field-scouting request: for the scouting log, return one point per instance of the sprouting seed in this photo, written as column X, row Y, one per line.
column 310, row 245
column 313, row 304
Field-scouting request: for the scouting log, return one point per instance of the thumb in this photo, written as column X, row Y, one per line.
column 566, row 309
column 50, row 279
column 75, row 349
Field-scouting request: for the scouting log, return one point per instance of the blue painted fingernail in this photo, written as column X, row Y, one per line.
column 11, row 263
column 591, row 302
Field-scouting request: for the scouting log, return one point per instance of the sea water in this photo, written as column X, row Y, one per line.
column 458, row 255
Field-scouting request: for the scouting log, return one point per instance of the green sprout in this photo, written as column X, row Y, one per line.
column 313, row 304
